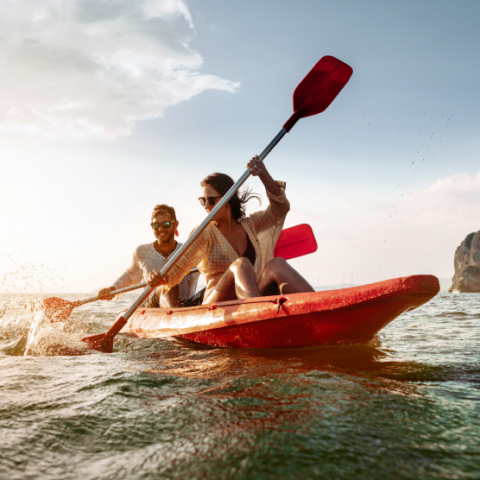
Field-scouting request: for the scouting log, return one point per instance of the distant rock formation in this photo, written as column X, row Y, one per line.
column 467, row 265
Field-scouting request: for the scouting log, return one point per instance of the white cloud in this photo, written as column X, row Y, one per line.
column 376, row 238
column 92, row 68
column 454, row 200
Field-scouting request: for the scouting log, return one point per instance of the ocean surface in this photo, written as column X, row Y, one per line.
column 407, row 405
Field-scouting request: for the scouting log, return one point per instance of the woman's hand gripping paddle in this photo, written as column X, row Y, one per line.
column 312, row 96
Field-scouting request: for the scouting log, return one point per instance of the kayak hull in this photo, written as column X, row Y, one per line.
column 351, row 315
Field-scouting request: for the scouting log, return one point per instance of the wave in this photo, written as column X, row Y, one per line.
column 25, row 330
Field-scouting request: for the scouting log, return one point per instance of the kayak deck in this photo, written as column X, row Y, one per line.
column 350, row 315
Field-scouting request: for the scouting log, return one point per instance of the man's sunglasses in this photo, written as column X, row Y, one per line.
column 211, row 200
column 166, row 225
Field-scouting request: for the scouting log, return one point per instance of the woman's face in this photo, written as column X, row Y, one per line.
column 209, row 191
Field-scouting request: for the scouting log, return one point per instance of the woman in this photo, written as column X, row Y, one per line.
column 235, row 252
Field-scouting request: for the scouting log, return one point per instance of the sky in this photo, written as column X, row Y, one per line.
column 108, row 107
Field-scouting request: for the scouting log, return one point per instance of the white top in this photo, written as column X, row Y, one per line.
column 146, row 259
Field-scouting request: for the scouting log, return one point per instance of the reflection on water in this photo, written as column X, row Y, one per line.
column 406, row 405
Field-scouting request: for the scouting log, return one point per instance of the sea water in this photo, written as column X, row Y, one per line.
column 406, row 405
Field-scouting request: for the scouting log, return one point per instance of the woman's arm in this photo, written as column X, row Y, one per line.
column 259, row 170
column 279, row 206
column 275, row 213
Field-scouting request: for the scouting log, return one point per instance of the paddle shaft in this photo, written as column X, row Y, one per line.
column 115, row 292
column 123, row 319
column 120, row 290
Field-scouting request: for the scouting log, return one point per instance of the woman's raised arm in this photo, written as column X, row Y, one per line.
column 259, row 170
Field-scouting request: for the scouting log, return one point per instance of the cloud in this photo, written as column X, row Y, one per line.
column 377, row 238
column 92, row 68
column 453, row 200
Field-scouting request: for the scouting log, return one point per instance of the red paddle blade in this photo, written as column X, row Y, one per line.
column 319, row 88
column 97, row 342
column 57, row 309
column 321, row 85
column 295, row 242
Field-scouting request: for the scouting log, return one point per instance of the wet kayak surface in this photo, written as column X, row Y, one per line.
column 406, row 405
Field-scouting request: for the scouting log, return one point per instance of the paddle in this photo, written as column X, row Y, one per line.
column 295, row 242
column 312, row 96
column 57, row 309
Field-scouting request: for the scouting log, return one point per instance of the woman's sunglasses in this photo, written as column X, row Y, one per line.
column 166, row 225
column 211, row 200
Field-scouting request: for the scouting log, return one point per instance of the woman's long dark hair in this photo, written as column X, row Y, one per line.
column 222, row 183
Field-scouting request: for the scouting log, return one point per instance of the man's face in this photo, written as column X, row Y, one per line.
column 164, row 235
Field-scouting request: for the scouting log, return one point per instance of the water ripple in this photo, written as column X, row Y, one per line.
column 406, row 405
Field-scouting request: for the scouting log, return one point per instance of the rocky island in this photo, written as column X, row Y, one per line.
column 467, row 265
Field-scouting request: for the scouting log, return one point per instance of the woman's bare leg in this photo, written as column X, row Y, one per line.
column 238, row 282
column 278, row 275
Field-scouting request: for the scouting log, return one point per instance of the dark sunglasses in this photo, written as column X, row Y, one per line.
column 211, row 200
column 166, row 225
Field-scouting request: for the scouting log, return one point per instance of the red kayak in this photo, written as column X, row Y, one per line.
column 350, row 315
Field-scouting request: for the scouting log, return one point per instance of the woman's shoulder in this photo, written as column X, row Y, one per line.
column 209, row 229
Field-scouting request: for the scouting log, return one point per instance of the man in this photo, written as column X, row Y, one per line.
column 154, row 256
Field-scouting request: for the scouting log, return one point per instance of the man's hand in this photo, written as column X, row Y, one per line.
column 154, row 279
column 104, row 293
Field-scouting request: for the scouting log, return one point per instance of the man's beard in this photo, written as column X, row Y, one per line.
column 166, row 239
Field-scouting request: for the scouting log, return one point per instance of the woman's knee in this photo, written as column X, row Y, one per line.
column 241, row 263
column 276, row 265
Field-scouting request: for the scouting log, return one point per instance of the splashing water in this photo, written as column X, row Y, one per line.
column 25, row 330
